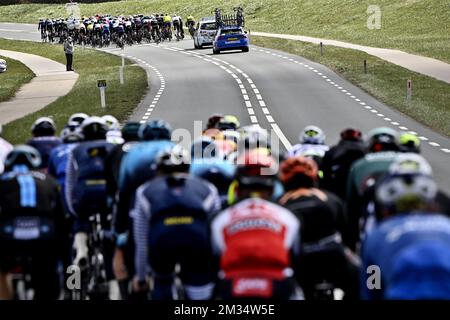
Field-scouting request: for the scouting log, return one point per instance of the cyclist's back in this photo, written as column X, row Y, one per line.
column 44, row 139
column 337, row 162
column 324, row 230
column 171, row 218
column 255, row 238
column 413, row 252
column 31, row 222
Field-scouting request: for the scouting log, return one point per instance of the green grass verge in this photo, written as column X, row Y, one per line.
column 416, row 26
column 385, row 81
column 10, row 81
column 91, row 65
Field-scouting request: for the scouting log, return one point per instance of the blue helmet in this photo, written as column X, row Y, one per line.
column 218, row 172
column 155, row 130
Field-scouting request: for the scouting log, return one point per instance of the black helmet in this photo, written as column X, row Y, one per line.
column 130, row 131
column 23, row 154
column 383, row 139
column 94, row 128
column 155, row 130
column 174, row 159
column 43, row 127
column 351, row 134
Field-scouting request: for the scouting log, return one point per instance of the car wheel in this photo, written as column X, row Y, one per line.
column 200, row 46
column 216, row 51
column 245, row 50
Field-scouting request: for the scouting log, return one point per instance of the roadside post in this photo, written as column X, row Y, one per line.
column 101, row 84
column 409, row 89
column 321, row 49
column 122, row 81
column 365, row 66
column 123, row 60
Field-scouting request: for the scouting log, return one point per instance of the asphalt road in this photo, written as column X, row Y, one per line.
column 276, row 90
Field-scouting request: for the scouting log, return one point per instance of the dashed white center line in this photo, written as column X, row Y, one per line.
column 434, row 144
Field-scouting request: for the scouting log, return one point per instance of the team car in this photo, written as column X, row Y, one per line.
column 231, row 38
column 3, row 66
column 205, row 32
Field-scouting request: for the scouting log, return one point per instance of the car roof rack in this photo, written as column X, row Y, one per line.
column 235, row 19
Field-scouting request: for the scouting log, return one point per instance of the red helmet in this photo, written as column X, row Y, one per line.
column 351, row 135
column 295, row 168
column 256, row 168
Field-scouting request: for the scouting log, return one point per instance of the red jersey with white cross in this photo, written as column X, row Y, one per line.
column 255, row 237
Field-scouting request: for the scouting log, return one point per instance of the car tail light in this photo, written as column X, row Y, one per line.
column 220, row 38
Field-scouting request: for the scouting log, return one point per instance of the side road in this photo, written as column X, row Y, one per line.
column 51, row 82
column 424, row 65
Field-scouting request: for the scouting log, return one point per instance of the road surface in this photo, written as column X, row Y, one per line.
column 279, row 91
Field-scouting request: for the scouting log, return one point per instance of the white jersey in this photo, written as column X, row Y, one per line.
column 308, row 150
column 5, row 148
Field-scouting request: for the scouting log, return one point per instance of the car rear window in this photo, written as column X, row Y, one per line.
column 208, row 26
column 231, row 31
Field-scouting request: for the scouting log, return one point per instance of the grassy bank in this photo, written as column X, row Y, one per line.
column 91, row 66
column 416, row 26
column 385, row 81
column 16, row 76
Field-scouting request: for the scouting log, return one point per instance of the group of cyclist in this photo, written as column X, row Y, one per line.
column 103, row 30
column 229, row 219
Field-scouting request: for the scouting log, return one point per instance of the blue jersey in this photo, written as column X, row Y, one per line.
column 44, row 145
column 135, row 169
column 85, row 186
column 57, row 163
column 413, row 254
column 178, row 202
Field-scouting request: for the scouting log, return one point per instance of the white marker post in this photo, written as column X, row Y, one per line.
column 409, row 89
column 122, row 81
column 101, row 84
column 123, row 61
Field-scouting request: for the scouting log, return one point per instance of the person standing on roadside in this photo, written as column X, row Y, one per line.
column 68, row 49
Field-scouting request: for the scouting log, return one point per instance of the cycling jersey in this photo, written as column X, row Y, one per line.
column 57, row 164
column 323, row 234
column 171, row 225
column 255, row 238
column 336, row 165
column 308, row 149
column 363, row 174
column 44, row 145
column 5, row 148
column 32, row 227
column 135, row 169
column 321, row 214
column 167, row 19
column 412, row 253
column 85, row 187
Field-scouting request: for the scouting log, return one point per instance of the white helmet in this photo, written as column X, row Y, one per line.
column 405, row 193
column 255, row 137
column 78, row 117
column 312, row 135
column 410, row 163
column 112, row 122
